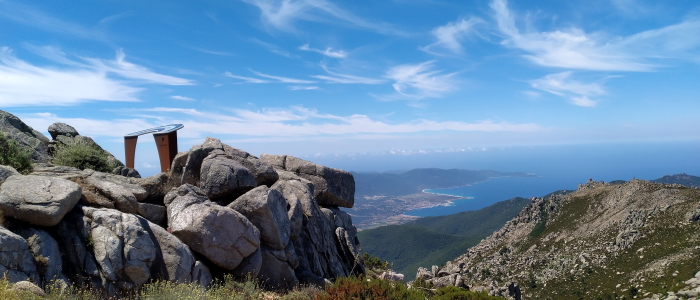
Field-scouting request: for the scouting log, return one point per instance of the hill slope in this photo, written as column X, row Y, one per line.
column 434, row 240
column 602, row 241
column 684, row 179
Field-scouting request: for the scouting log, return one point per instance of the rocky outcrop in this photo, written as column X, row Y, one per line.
column 332, row 187
column 13, row 128
column 218, row 211
column 16, row 260
column 62, row 129
column 221, row 234
column 38, row 200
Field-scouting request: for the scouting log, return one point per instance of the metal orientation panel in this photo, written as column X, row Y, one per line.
column 166, row 142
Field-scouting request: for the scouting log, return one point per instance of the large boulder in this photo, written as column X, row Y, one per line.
column 267, row 209
column 122, row 246
column 38, row 200
column 175, row 262
column 187, row 166
column 291, row 191
column 222, row 176
column 47, row 256
column 16, row 260
column 7, row 171
column 332, row 187
column 277, row 270
column 13, row 128
column 221, row 234
column 63, row 129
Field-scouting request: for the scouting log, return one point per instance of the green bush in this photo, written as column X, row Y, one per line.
column 82, row 156
column 14, row 155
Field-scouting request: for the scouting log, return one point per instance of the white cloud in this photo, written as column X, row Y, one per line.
column 562, row 85
column 452, row 34
column 282, row 79
column 345, row 78
column 73, row 82
column 281, row 14
column 575, row 49
column 183, row 98
column 268, row 123
column 417, row 81
column 328, row 52
column 246, row 79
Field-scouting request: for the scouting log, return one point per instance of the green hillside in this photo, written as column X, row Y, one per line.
column 435, row 240
column 684, row 179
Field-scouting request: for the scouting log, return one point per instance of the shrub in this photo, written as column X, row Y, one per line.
column 83, row 156
column 360, row 288
column 375, row 263
column 14, row 155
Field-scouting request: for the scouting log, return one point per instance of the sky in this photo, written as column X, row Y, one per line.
column 314, row 77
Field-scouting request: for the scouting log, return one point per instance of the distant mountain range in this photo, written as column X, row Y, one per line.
column 684, row 179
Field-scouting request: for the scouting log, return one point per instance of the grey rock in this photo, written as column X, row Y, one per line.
column 126, row 172
column 693, row 215
column 47, row 256
column 332, row 187
column 38, row 200
column 222, row 176
column 156, row 187
column 391, row 275
column 267, row 209
column 63, row 129
column 175, row 261
column 264, row 173
column 454, row 279
column 122, row 199
column 16, row 260
column 153, row 212
column 7, row 171
column 277, row 272
column 13, row 128
column 64, row 172
column 80, row 264
column 289, row 190
column 28, row 287
column 249, row 266
column 219, row 233
column 424, row 274
column 122, row 246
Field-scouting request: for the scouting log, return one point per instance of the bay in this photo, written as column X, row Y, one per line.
column 497, row 189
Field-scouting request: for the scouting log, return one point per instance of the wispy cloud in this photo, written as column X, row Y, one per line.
column 417, row 81
column 283, row 79
column 73, row 81
column 562, row 85
column 30, row 16
column 451, row 35
column 282, row 14
column 345, row 78
column 573, row 48
column 328, row 52
column 183, row 98
column 270, row 123
column 246, row 79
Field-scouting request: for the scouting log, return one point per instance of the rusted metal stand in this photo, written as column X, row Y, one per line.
column 166, row 143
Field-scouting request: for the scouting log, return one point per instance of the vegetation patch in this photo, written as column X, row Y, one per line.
column 14, row 155
column 83, row 156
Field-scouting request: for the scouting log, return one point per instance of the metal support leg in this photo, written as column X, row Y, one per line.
column 130, row 150
column 167, row 149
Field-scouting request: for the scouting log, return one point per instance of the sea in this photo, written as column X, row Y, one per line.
column 555, row 167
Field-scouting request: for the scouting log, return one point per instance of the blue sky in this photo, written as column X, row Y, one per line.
column 312, row 77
